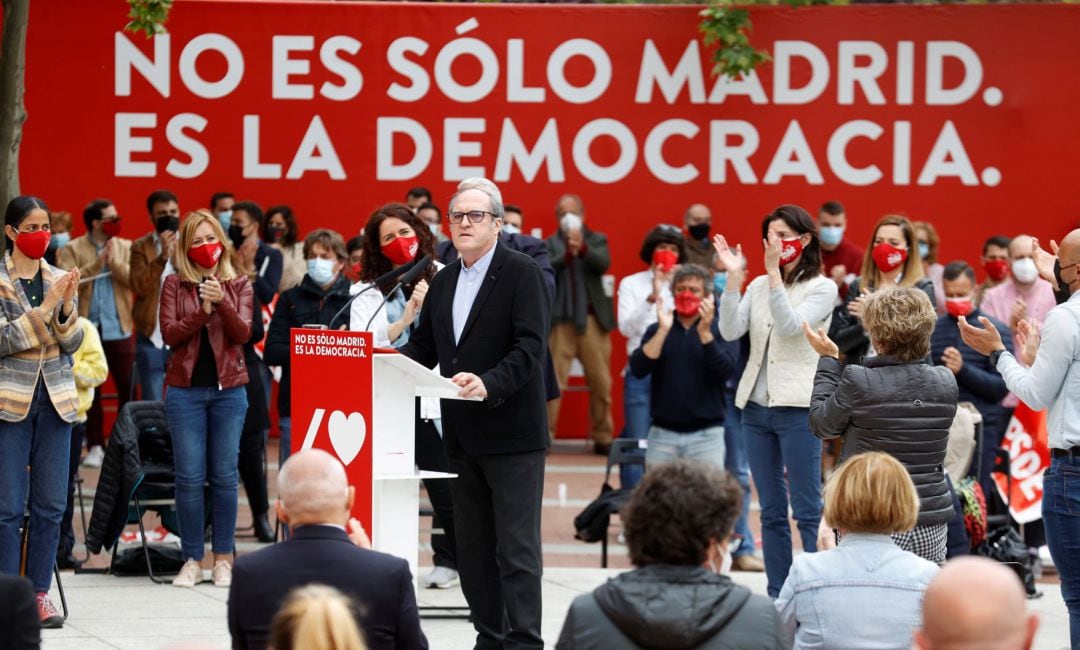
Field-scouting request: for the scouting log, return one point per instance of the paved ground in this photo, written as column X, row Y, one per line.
column 111, row 612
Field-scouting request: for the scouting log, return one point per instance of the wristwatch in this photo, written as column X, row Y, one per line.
column 995, row 355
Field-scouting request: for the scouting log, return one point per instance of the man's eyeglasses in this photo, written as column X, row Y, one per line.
column 475, row 216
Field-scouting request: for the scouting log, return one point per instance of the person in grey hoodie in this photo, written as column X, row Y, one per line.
column 678, row 523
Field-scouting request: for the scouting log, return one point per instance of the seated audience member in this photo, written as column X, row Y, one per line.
column 928, row 252
column 20, row 627
column 895, row 403
column 316, row 618
column 678, row 524
column 691, row 364
column 866, row 592
column 978, row 380
column 314, row 499
column 995, row 261
column 890, row 261
column 954, row 619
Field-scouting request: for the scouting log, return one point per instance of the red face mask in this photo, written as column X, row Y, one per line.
column 356, row 268
column 401, row 250
column 958, row 307
column 687, row 304
column 206, row 255
column 998, row 270
column 888, row 257
column 665, row 259
column 790, row 250
column 33, row 244
column 111, row 228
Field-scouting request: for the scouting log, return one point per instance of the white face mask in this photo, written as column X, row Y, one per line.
column 511, row 229
column 726, row 561
column 570, row 221
column 320, row 270
column 434, row 228
column 1024, row 270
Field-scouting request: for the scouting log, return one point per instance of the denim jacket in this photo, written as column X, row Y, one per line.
column 866, row 593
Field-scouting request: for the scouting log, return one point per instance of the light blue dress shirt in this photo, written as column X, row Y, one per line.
column 1054, row 380
column 468, row 285
column 103, row 308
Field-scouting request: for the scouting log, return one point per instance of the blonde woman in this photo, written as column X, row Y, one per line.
column 206, row 311
column 316, row 617
column 891, row 260
column 867, row 592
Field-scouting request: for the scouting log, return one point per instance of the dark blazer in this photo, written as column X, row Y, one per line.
column 380, row 584
column 979, row 382
column 596, row 261
column 266, row 283
column 20, row 627
column 504, row 342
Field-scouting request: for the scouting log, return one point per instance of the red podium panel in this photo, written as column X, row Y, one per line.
column 331, row 404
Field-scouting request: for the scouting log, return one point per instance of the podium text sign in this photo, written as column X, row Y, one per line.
column 332, row 405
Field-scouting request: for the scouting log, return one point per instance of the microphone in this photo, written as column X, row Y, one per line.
column 382, row 279
column 418, row 267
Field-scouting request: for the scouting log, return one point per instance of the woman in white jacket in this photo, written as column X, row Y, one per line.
column 774, row 392
column 393, row 237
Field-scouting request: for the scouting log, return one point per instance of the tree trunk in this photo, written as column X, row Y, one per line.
column 12, row 110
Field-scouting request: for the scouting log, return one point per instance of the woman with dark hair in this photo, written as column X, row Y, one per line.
column 895, row 403
column 663, row 248
column 889, row 262
column 38, row 334
column 281, row 232
column 774, row 391
column 393, row 237
column 678, row 526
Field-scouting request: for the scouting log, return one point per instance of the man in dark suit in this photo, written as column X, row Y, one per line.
column 315, row 498
column 485, row 322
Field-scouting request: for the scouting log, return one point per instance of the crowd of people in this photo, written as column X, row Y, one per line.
column 860, row 356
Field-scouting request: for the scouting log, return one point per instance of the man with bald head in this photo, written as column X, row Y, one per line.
column 1023, row 296
column 1053, row 382
column 314, row 500
column 994, row 620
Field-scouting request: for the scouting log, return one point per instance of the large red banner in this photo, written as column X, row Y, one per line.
column 331, row 404
column 944, row 113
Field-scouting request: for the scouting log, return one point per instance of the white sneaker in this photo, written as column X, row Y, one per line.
column 190, row 574
column 222, row 574
column 95, row 457
column 441, row 578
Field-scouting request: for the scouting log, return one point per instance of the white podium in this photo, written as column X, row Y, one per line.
column 397, row 382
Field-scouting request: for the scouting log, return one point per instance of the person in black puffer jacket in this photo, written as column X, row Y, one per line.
column 678, row 524
column 895, row 403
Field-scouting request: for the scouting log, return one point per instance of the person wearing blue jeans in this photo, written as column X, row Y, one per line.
column 690, row 364
column 206, row 316
column 738, row 465
column 150, row 362
column 775, row 387
column 636, row 413
column 39, row 332
column 1052, row 381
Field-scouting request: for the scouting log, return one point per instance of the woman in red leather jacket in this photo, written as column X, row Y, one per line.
column 205, row 318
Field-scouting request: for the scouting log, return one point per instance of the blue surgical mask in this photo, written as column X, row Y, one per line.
column 59, row 240
column 924, row 250
column 225, row 218
column 321, row 271
column 511, row 229
column 719, row 282
column 831, row 235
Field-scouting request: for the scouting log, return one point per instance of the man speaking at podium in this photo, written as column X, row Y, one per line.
column 485, row 323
